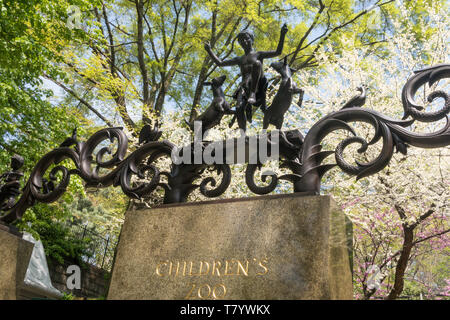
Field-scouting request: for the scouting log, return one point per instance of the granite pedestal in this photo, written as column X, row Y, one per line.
column 15, row 255
column 271, row 247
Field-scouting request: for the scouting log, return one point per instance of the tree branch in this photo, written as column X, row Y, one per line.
column 430, row 237
column 75, row 95
column 142, row 66
column 8, row 148
column 324, row 37
column 310, row 29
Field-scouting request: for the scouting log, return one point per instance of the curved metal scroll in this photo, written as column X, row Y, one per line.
column 138, row 174
column 392, row 132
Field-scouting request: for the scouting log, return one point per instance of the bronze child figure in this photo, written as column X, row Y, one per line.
column 252, row 90
column 11, row 187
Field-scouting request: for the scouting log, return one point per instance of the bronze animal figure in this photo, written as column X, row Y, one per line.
column 283, row 99
column 216, row 110
column 356, row 101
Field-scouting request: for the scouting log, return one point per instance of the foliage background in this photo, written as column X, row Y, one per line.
column 134, row 61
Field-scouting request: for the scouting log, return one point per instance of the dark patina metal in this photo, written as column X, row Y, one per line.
column 283, row 99
column 252, row 90
column 218, row 108
column 10, row 187
column 138, row 174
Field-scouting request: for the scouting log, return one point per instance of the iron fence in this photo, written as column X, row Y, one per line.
column 100, row 250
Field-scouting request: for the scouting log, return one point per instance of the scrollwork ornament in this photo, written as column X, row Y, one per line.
column 139, row 173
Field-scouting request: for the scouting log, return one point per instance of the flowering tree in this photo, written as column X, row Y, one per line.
column 400, row 215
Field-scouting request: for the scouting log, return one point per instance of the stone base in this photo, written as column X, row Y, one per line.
column 270, row 247
column 15, row 254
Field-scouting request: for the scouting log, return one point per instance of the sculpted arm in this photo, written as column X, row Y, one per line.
column 271, row 54
column 218, row 61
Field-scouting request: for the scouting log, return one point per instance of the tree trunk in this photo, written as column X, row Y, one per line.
column 402, row 263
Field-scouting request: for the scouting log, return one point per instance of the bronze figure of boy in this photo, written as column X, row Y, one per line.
column 252, row 90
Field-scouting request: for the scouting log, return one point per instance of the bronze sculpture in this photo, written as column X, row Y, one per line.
column 303, row 156
column 11, row 187
column 358, row 100
column 283, row 98
column 218, row 108
column 252, row 90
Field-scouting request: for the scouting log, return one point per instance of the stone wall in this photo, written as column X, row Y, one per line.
column 94, row 281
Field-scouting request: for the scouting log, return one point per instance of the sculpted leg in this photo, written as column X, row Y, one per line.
column 241, row 117
column 261, row 93
column 256, row 74
column 240, row 111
